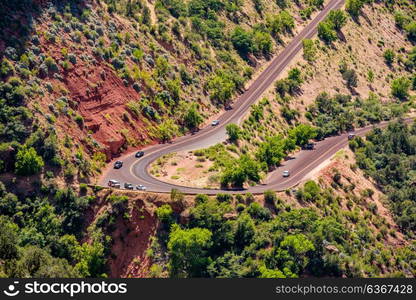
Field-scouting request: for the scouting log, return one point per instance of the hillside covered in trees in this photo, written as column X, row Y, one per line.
column 82, row 81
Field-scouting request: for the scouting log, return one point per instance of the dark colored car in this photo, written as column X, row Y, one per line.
column 309, row 146
column 128, row 186
column 351, row 136
column 139, row 154
column 118, row 164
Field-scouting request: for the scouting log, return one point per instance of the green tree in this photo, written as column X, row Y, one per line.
column 242, row 40
column 6, row 68
column 233, row 132
column 165, row 213
column 146, row 16
column 91, row 260
column 294, row 252
column 37, row 262
column 244, row 231
column 389, row 56
column 236, row 176
column 8, row 239
column 287, row 20
column 337, row 18
column 193, row 118
column 251, row 168
column 242, row 170
column 269, row 273
column 28, row 162
column 176, row 195
column 309, row 50
column 167, row 130
column 188, row 250
column 326, row 32
column 400, row 88
column 271, row 152
column 350, row 77
column 311, row 190
column 370, row 76
column 296, row 75
column 354, row 7
column 411, row 31
column 221, row 88
column 162, row 66
column 282, row 3
column 302, row 133
column 262, row 43
column 270, row 197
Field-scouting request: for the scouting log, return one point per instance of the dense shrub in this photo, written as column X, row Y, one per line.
column 28, row 162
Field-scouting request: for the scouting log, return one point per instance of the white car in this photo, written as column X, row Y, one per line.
column 114, row 183
column 215, row 122
column 141, row 187
column 286, row 173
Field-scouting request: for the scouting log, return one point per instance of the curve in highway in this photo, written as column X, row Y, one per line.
column 136, row 170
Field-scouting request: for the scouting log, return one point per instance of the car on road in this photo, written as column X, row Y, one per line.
column 139, row 154
column 215, row 122
column 286, row 173
column 351, row 135
column 128, row 186
column 309, row 146
column 114, row 183
column 118, row 164
column 141, row 187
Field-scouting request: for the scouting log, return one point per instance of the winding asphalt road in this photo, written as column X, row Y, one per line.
column 136, row 170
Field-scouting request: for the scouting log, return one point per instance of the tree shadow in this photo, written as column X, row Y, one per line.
column 366, row 18
column 353, row 91
column 341, row 36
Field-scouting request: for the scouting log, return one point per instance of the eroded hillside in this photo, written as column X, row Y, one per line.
column 109, row 75
column 83, row 81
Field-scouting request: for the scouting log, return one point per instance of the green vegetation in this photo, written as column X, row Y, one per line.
column 174, row 63
column 309, row 50
column 223, row 85
column 187, row 249
column 349, row 75
column 246, row 168
column 233, row 132
column 400, row 88
column 354, row 7
column 275, row 148
column 28, row 162
column 291, row 84
column 387, row 156
column 339, row 113
column 193, row 118
column 278, row 241
column 47, row 228
column 240, row 171
column 327, row 30
column 337, row 18
column 389, row 56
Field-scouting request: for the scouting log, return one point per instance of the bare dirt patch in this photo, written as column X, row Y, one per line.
column 184, row 168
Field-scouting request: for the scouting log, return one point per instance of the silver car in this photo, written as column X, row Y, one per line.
column 286, row 173
column 141, row 187
column 215, row 122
